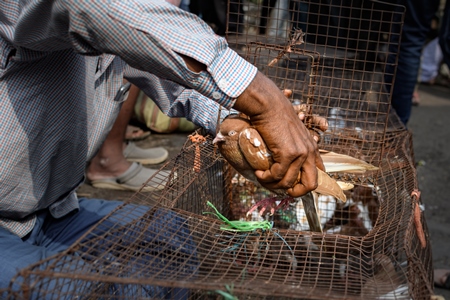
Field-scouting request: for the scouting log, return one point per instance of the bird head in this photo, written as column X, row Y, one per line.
column 230, row 129
column 227, row 140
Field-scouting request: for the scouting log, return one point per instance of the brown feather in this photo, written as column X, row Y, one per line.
column 254, row 149
column 335, row 162
column 328, row 186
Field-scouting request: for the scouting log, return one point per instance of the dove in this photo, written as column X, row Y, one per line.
column 243, row 147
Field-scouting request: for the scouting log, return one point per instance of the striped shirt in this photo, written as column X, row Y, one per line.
column 61, row 65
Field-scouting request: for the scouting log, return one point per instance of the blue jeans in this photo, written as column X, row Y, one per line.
column 444, row 34
column 419, row 14
column 167, row 232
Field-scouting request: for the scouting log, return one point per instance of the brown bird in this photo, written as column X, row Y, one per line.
column 243, row 147
column 355, row 225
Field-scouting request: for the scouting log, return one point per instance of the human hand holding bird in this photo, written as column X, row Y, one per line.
column 293, row 167
column 243, row 147
column 245, row 150
column 292, row 148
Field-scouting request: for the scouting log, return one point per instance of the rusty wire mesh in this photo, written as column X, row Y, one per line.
column 161, row 245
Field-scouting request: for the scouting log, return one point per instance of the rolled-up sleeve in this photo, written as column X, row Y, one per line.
column 149, row 35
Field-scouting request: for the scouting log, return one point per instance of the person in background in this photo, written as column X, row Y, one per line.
column 417, row 23
column 118, row 163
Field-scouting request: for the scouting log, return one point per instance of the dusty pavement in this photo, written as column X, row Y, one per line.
column 430, row 125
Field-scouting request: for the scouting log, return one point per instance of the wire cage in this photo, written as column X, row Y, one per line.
column 338, row 58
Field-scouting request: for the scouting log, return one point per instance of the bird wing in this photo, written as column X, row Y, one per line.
column 254, row 149
column 328, row 186
column 335, row 162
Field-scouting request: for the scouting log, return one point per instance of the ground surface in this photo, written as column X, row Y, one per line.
column 430, row 125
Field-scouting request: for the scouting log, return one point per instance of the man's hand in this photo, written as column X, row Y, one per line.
column 317, row 123
column 293, row 148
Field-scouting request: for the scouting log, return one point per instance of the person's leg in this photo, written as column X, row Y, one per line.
column 431, row 61
column 48, row 237
column 415, row 28
column 16, row 255
column 444, row 34
column 163, row 231
column 266, row 8
column 111, row 163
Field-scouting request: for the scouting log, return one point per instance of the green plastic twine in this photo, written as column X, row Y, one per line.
column 229, row 294
column 241, row 226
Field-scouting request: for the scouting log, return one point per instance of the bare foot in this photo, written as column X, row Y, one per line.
column 107, row 167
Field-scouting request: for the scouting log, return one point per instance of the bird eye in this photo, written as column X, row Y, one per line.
column 232, row 132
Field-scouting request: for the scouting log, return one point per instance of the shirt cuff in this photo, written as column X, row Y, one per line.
column 231, row 76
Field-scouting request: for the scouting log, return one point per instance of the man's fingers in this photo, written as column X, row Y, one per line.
column 243, row 116
column 287, row 93
column 316, row 121
column 279, row 177
column 315, row 135
column 319, row 122
column 308, row 181
column 300, row 108
column 319, row 162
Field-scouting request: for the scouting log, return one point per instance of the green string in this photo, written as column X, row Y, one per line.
column 241, row 226
column 229, row 294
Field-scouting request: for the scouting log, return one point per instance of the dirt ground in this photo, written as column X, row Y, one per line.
column 430, row 125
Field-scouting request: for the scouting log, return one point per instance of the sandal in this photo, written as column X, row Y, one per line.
column 134, row 133
column 442, row 278
column 150, row 156
column 133, row 180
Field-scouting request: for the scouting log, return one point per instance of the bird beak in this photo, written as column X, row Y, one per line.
column 219, row 138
